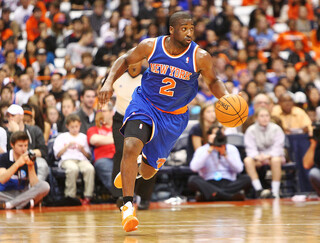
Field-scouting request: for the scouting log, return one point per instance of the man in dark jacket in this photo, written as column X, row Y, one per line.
column 35, row 135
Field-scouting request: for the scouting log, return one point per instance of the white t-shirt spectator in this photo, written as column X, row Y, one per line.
column 22, row 97
column 21, row 15
column 71, row 153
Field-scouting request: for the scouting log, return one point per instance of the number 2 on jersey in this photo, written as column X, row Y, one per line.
column 165, row 90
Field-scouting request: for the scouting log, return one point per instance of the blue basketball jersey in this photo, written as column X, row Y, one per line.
column 170, row 82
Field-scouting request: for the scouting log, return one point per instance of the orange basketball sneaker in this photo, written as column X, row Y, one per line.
column 118, row 181
column 129, row 219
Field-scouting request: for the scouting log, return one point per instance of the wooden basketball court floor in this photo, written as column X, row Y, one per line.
column 271, row 220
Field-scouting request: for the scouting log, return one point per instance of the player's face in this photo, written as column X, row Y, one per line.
column 183, row 31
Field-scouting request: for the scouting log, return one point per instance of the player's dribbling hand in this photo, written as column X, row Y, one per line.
column 105, row 93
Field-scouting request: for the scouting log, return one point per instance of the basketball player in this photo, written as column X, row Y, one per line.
column 158, row 113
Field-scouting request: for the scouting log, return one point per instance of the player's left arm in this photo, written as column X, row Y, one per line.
column 205, row 66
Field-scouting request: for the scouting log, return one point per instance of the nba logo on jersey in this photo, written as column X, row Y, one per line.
column 187, row 60
column 140, row 126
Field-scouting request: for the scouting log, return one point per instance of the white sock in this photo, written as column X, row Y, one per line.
column 275, row 187
column 257, row 184
column 8, row 205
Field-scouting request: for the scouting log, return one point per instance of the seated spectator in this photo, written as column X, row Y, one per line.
column 53, row 119
column 57, row 87
column 107, row 53
column 264, row 144
column 20, row 186
column 41, row 67
column 298, row 57
column 67, row 107
column 37, row 144
column 87, row 113
column 262, row 34
column 287, row 38
column 311, row 160
column 75, row 49
column 33, row 22
column 304, row 25
column 26, row 91
column 219, row 166
column 74, row 153
column 198, row 134
column 101, row 138
column 77, row 31
column 294, row 119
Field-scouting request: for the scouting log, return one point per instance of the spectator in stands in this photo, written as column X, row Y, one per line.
column 67, row 107
column 311, row 160
column 262, row 7
column 48, row 100
column 125, row 18
column 77, row 31
column 262, row 33
column 287, row 38
column 162, row 21
column 107, row 54
column 29, row 55
column 33, row 22
column 263, row 84
column 126, row 42
column 53, row 117
column 76, row 49
column 111, row 26
column 261, row 101
column 9, row 22
column 57, row 86
column 5, row 31
column 294, row 8
column 73, row 93
column 146, row 13
column 7, row 94
column 22, row 13
column 264, row 144
column 87, row 113
column 313, row 97
column 11, row 60
column 41, row 67
column 101, row 139
column 222, row 22
column 234, row 35
column 97, row 18
column 198, row 134
column 294, row 119
column 74, row 153
column 20, row 186
column 3, row 111
column 36, row 139
column 26, row 91
column 304, row 25
column 58, row 29
column 298, row 57
column 219, row 168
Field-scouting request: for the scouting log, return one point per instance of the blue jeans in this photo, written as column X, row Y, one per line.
column 103, row 168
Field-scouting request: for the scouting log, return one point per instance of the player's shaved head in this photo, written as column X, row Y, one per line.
column 174, row 19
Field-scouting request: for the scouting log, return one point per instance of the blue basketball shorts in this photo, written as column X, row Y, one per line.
column 166, row 128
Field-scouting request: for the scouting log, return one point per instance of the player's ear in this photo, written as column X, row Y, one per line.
column 171, row 30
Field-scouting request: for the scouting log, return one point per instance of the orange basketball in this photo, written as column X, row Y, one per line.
column 231, row 110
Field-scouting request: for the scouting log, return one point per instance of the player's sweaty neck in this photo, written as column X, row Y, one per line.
column 173, row 47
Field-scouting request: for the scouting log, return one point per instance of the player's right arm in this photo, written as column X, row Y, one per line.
column 136, row 54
